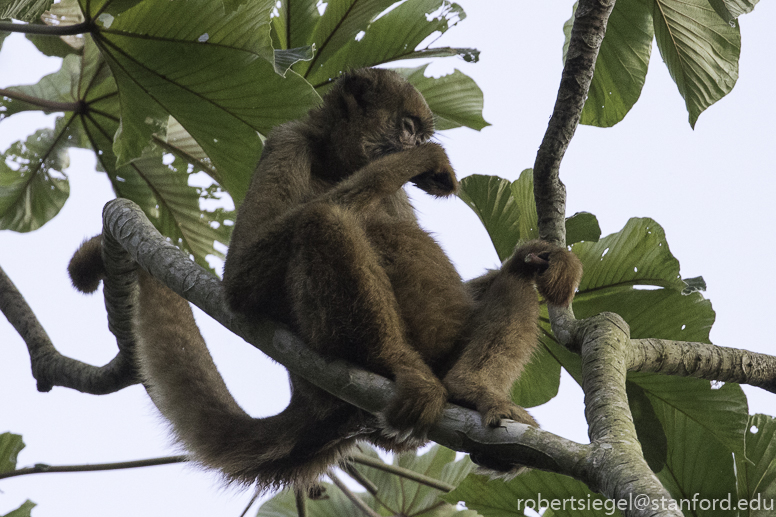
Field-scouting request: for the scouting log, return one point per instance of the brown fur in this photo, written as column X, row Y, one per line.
column 327, row 243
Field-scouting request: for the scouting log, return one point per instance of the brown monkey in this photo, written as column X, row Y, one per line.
column 327, row 242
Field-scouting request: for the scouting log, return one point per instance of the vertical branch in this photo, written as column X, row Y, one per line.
column 550, row 193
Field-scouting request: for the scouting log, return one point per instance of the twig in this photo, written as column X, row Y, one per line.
column 41, row 468
column 361, row 505
column 401, row 471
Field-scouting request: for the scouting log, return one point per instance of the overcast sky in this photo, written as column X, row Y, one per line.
column 711, row 189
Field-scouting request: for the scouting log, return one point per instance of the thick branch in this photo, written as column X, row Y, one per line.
column 620, row 465
column 704, row 361
column 49, row 367
column 550, row 193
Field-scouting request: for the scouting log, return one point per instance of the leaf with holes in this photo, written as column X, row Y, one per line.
column 396, row 35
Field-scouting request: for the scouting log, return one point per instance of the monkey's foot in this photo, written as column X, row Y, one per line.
column 418, row 405
column 495, row 412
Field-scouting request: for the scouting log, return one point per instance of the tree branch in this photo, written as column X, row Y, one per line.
column 702, row 360
column 550, row 193
column 49, row 367
column 459, row 429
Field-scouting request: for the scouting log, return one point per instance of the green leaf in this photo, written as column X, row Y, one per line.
column 491, row 199
column 582, row 226
column 534, row 490
column 65, row 12
column 214, row 73
column 637, row 255
column 32, row 186
column 294, row 31
column 721, row 412
column 383, row 43
column 23, row 511
column 455, row 99
column 700, row 49
column 622, row 62
column 540, row 380
column 729, row 10
column 649, row 430
column 342, row 21
column 397, row 495
column 10, row 447
column 163, row 192
column 522, row 191
column 24, row 10
column 697, row 462
column 756, row 473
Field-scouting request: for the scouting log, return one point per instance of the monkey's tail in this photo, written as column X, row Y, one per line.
column 294, row 447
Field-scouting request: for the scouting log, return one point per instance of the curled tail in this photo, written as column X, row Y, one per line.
column 293, row 447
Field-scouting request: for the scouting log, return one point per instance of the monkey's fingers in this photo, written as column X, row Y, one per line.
column 437, row 183
column 505, row 410
column 417, row 407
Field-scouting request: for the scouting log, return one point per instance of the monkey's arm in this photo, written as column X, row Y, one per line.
column 425, row 165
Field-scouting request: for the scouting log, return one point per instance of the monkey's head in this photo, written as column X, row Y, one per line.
column 372, row 112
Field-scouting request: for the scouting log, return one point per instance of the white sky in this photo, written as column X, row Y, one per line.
column 711, row 189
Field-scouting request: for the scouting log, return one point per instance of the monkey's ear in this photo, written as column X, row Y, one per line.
column 355, row 86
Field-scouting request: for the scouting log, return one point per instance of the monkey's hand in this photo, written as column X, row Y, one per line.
column 417, row 406
column 555, row 270
column 438, row 177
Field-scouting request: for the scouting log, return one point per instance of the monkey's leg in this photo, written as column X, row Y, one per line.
column 500, row 339
column 344, row 306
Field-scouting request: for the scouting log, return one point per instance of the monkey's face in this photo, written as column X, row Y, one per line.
column 381, row 113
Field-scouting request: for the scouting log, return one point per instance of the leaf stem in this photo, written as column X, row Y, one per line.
column 402, row 472
column 42, row 468
column 47, row 30
column 361, row 505
column 77, row 107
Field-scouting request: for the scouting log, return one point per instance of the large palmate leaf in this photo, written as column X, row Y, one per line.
column 700, row 47
column 214, row 73
column 393, row 36
column 622, row 62
column 164, row 194
column 455, row 99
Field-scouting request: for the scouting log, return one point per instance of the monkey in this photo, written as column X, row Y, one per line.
column 327, row 243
